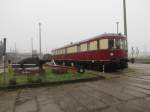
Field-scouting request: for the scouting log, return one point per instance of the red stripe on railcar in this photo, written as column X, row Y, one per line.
column 93, row 55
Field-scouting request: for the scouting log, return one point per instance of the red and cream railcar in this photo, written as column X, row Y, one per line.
column 107, row 52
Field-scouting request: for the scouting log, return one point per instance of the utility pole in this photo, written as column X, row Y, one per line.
column 125, row 18
column 15, row 52
column 32, row 46
column 46, row 49
column 4, row 59
column 117, row 27
column 40, row 39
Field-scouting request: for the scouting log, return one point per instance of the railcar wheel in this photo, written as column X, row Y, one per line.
column 113, row 67
column 126, row 65
column 101, row 68
column 106, row 68
column 123, row 65
column 110, row 67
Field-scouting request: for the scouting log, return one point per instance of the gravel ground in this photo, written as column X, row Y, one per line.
column 127, row 91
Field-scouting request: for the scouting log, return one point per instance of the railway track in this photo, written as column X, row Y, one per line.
column 144, row 61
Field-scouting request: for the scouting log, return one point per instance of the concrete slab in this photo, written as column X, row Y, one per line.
column 116, row 94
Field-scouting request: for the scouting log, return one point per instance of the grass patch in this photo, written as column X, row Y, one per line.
column 69, row 76
column 1, row 79
column 47, row 77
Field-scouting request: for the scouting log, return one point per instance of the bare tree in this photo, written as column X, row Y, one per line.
column 137, row 51
column 132, row 52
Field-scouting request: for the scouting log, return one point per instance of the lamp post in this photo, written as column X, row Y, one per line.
column 117, row 27
column 125, row 18
column 40, row 39
column 32, row 46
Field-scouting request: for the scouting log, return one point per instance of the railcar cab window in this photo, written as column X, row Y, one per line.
column 121, row 44
column 125, row 44
column 111, row 43
column 103, row 44
column 118, row 44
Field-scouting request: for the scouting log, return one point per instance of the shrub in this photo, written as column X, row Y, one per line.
column 12, row 81
column 59, row 70
column 30, row 79
column 34, row 79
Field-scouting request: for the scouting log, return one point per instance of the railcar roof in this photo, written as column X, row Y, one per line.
column 96, row 37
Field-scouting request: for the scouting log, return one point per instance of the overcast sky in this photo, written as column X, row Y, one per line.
column 65, row 21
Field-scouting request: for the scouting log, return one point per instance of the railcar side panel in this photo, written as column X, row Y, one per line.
column 93, row 55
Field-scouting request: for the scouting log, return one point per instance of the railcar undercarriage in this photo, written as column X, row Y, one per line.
column 102, row 66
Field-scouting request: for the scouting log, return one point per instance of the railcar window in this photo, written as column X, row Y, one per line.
column 123, row 44
column 93, row 45
column 118, row 44
column 111, row 44
column 78, row 48
column 58, row 52
column 83, row 47
column 54, row 52
column 126, row 45
column 103, row 44
column 72, row 49
column 63, row 51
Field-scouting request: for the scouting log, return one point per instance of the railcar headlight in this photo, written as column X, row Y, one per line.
column 111, row 54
